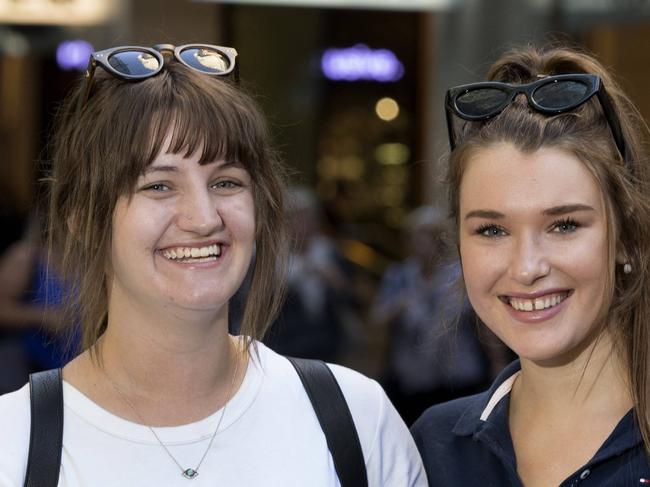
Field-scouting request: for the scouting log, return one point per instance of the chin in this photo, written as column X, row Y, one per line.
column 546, row 356
column 200, row 303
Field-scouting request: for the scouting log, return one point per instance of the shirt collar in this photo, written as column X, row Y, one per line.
column 492, row 407
column 483, row 405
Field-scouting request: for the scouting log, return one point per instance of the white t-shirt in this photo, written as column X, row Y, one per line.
column 269, row 436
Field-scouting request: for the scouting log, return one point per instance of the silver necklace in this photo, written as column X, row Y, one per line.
column 188, row 473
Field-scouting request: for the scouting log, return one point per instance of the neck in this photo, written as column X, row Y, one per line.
column 594, row 381
column 174, row 366
column 170, row 352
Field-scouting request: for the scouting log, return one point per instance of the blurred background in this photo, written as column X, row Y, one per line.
column 354, row 92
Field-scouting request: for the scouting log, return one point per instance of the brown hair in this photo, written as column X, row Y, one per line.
column 99, row 153
column 585, row 133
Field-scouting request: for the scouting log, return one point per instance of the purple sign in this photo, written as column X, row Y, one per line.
column 73, row 55
column 361, row 63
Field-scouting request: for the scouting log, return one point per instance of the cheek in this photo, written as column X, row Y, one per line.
column 482, row 267
column 476, row 280
column 137, row 229
column 242, row 217
column 587, row 264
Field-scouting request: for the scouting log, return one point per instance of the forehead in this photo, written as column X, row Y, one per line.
column 182, row 162
column 503, row 178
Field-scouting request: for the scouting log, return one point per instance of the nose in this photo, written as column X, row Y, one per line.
column 199, row 213
column 529, row 261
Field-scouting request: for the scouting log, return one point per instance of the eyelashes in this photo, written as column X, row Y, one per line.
column 562, row 226
column 566, row 225
column 490, row 230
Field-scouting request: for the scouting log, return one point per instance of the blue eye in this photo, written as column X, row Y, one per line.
column 226, row 186
column 157, row 187
column 490, row 230
column 567, row 225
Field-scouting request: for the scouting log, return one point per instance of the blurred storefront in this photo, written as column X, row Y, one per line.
column 354, row 89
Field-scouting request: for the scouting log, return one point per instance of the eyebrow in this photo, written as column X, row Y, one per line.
column 553, row 211
column 564, row 209
column 171, row 168
column 490, row 214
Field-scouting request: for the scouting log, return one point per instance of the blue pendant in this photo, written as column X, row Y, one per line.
column 190, row 473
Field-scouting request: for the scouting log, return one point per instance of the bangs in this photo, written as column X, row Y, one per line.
column 185, row 125
column 182, row 112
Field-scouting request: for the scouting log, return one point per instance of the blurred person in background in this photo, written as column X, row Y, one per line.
column 549, row 187
column 13, row 362
column 311, row 321
column 30, row 313
column 163, row 185
column 433, row 355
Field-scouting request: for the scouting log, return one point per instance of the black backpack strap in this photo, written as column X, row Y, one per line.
column 335, row 419
column 46, row 435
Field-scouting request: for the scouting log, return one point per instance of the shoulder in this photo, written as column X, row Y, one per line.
column 456, row 448
column 438, row 422
column 365, row 397
column 366, row 400
column 388, row 448
column 460, row 417
column 15, row 418
column 390, row 452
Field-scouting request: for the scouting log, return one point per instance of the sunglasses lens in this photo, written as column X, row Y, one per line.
column 206, row 60
column 134, row 63
column 560, row 94
column 481, row 102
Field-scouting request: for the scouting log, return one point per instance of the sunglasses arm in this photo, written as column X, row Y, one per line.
column 90, row 73
column 614, row 126
column 450, row 124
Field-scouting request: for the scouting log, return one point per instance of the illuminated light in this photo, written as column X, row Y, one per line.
column 363, row 255
column 73, row 55
column 361, row 63
column 392, row 154
column 387, row 109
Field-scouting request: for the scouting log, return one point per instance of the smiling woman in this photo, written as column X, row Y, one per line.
column 549, row 191
column 537, row 242
column 164, row 192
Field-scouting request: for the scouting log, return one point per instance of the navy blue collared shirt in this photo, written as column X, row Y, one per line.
column 467, row 442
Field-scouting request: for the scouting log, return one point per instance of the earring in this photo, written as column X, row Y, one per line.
column 627, row 268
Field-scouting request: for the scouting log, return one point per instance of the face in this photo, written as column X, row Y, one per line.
column 185, row 237
column 533, row 244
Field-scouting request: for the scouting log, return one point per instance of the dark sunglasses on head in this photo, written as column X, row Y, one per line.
column 550, row 95
column 135, row 63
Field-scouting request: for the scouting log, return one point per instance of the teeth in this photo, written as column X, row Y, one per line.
column 537, row 304
column 194, row 254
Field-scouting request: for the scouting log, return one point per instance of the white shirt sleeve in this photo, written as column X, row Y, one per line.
column 392, row 459
column 14, row 437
